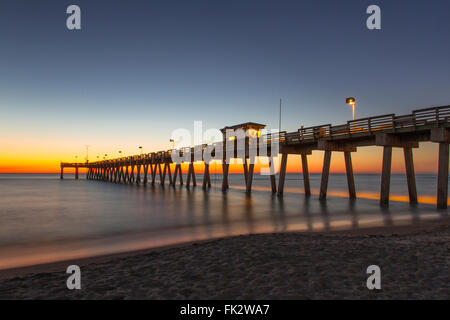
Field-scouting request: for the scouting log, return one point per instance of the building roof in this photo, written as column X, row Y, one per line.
column 246, row 125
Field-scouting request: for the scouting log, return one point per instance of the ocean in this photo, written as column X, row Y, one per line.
column 44, row 219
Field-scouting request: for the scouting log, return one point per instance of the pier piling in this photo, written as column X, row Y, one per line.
column 284, row 158
column 325, row 175
column 350, row 178
column 442, row 186
column 410, row 175
column 386, row 176
column 305, row 173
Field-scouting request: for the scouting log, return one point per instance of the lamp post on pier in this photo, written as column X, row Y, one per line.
column 351, row 101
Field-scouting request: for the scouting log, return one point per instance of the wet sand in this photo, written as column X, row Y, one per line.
column 414, row 262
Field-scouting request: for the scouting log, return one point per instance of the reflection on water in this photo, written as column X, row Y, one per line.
column 44, row 219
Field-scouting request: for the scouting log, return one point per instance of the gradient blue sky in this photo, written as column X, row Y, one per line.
column 139, row 69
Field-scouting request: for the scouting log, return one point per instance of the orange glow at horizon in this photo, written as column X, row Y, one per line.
column 37, row 159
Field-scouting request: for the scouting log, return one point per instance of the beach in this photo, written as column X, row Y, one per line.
column 414, row 262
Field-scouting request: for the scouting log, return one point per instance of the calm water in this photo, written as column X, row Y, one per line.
column 44, row 219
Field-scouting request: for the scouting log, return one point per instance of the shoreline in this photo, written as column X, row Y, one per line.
column 258, row 266
column 408, row 229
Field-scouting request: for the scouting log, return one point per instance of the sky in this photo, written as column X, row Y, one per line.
column 137, row 70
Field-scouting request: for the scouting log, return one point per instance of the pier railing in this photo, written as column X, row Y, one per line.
column 389, row 122
column 433, row 115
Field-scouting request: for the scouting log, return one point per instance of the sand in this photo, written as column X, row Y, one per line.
column 414, row 262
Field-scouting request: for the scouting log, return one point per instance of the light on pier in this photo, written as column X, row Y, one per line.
column 351, row 101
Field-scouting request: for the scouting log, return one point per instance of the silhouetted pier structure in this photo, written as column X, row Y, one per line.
column 387, row 131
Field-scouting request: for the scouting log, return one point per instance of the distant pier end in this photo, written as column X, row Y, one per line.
column 75, row 165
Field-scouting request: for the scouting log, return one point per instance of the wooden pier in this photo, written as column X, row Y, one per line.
column 387, row 131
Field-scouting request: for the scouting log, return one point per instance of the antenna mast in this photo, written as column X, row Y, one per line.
column 87, row 153
column 279, row 119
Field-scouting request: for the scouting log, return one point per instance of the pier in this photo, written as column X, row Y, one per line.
column 386, row 131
